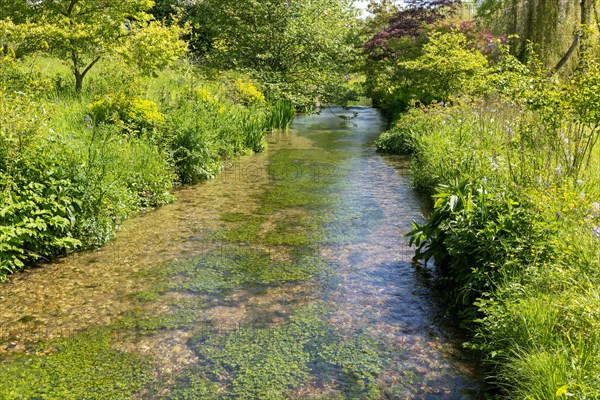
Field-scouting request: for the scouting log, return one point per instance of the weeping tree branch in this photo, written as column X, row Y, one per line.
column 584, row 20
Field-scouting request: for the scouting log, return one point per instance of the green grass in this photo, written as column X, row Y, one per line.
column 513, row 235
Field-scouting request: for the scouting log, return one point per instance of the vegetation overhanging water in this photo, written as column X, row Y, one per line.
column 291, row 282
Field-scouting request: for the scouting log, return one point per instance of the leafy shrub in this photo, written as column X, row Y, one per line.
column 20, row 120
column 15, row 78
column 136, row 115
column 37, row 219
column 194, row 158
column 447, row 68
column 204, row 126
column 396, row 141
column 68, row 180
column 113, row 176
column 205, row 96
column 480, row 238
column 247, row 93
column 402, row 137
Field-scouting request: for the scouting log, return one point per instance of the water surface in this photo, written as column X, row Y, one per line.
column 286, row 277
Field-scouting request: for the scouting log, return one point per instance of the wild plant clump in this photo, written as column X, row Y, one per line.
column 514, row 232
column 73, row 166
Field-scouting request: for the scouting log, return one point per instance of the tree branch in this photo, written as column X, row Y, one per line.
column 569, row 53
column 87, row 69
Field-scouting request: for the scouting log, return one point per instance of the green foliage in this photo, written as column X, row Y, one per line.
column 552, row 27
column 480, row 238
column 16, row 79
column 402, row 137
column 446, row 67
column 96, row 159
column 37, row 219
column 80, row 34
column 514, row 228
column 280, row 115
column 297, row 48
column 153, row 45
column 136, row 115
column 81, row 367
column 112, row 177
column 247, row 93
column 437, row 66
column 204, row 125
column 253, row 126
column 563, row 114
column 64, row 190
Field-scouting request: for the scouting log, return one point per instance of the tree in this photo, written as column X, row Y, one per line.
column 388, row 83
column 408, row 23
column 380, row 13
column 557, row 28
column 299, row 48
column 447, row 67
column 81, row 32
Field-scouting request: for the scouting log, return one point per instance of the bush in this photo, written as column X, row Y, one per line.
column 134, row 114
column 402, row 137
column 247, row 94
column 204, row 126
column 73, row 169
column 447, row 68
column 514, row 233
column 480, row 238
column 71, row 189
column 37, row 219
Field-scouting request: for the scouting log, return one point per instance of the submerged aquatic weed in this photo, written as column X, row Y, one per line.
column 180, row 315
column 231, row 267
column 269, row 362
column 80, row 367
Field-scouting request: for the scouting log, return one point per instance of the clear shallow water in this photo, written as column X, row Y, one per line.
column 286, row 277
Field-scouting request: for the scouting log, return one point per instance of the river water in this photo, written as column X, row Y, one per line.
column 286, row 277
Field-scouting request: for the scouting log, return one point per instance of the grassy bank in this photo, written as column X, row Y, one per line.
column 515, row 230
column 74, row 166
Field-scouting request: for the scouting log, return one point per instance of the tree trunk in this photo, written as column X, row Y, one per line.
column 584, row 20
column 79, row 75
column 78, row 81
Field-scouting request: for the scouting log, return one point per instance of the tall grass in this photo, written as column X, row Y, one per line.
column 280, row 115
column 516, row 233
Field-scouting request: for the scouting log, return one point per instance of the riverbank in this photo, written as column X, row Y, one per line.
column 75, row 166
column 514, row 236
